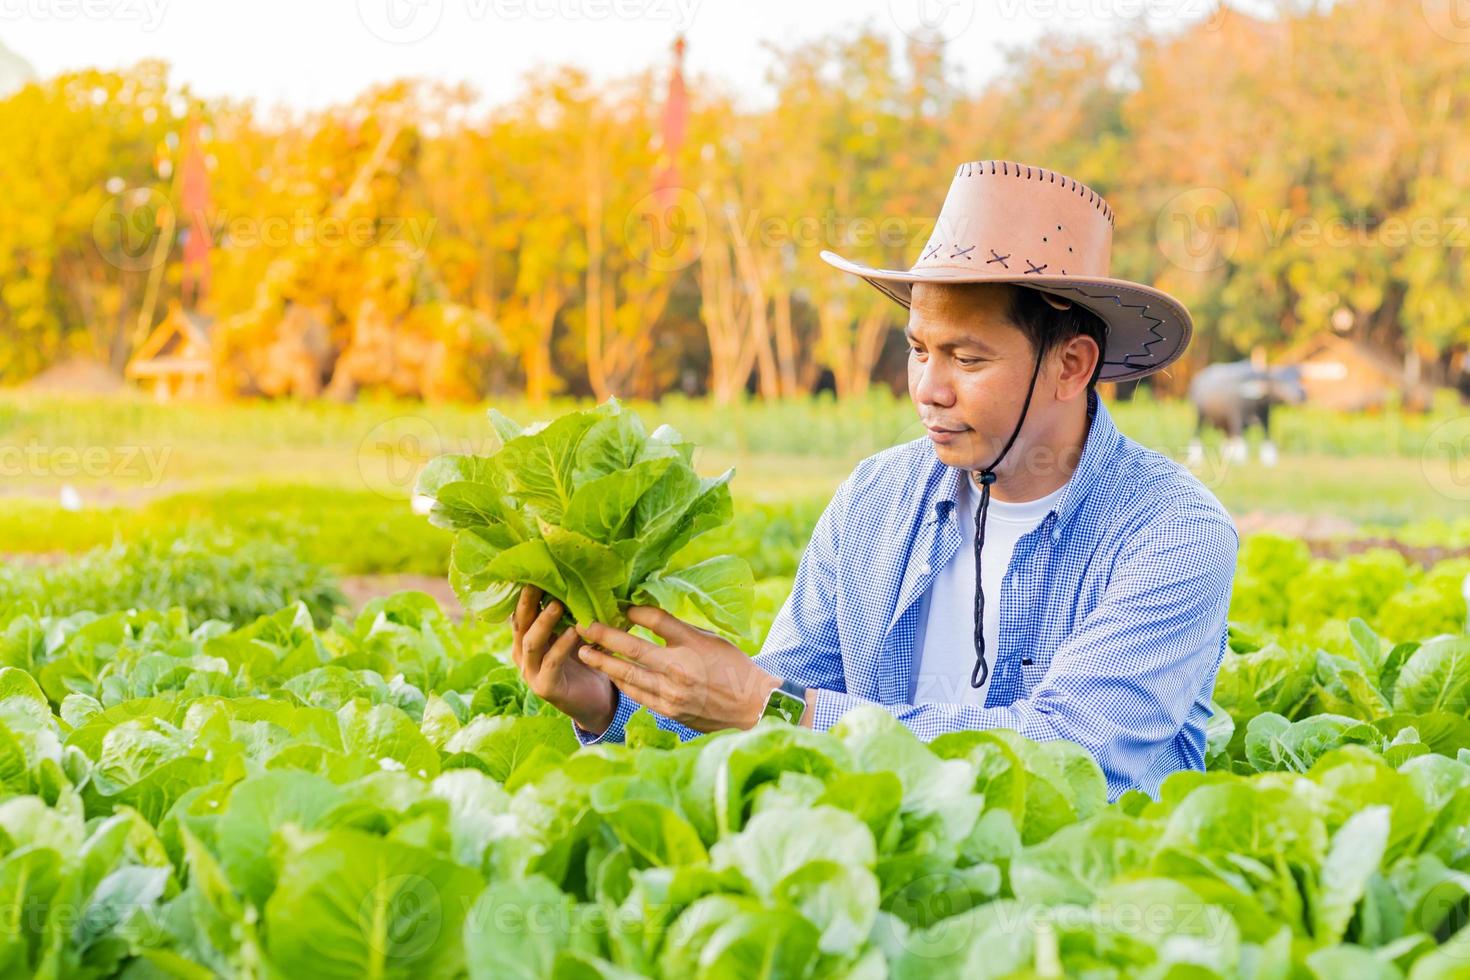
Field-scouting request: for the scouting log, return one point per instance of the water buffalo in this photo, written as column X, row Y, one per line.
column 1234, row 396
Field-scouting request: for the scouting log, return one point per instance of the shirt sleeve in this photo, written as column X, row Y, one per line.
column 1123, row 684
column 617, row 731
column 802, row 643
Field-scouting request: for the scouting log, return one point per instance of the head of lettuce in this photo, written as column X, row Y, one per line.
column 576, row 524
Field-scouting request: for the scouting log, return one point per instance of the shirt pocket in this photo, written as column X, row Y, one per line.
column 1034, row 665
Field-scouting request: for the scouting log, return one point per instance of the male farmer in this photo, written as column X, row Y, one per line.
column 1023, row 566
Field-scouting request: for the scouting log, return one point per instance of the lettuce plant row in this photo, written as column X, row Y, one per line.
column 382, row 797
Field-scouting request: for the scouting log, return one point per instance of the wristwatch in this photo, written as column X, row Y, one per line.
column 786, row 701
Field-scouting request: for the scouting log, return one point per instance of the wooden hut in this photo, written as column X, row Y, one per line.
column 176, row 362
column 1344, row 374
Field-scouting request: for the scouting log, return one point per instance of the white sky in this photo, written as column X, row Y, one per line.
column 310, row 53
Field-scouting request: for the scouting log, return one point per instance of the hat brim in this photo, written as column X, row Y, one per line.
column 1147, row 328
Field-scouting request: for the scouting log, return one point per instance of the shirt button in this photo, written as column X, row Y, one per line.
column 924, row 568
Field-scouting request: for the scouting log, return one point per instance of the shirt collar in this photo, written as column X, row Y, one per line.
column 1101, row 443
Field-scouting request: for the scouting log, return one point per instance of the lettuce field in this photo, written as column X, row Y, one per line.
column 212, row 765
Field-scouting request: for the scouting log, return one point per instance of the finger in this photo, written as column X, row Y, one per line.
column 623, row 642
column 560, row 651
column 526, row 607
column 620, row 671
column 533, row 646
column 666, row 625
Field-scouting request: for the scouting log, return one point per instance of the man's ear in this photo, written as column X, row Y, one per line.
column 1078, row 358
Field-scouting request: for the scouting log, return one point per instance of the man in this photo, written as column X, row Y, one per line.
column 1024, row 565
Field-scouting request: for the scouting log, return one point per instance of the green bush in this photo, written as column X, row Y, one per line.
column 220, row 578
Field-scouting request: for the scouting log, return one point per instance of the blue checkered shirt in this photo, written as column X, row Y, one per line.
column 1112, row 611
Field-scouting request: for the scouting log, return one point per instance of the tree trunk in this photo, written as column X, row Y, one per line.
column 730, row 360
column 750, row 275
column 785, row 342
column 851, row 354
column 596, row 365
column 536, row 352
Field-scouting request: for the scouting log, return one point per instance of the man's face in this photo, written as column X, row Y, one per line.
column 969, row 367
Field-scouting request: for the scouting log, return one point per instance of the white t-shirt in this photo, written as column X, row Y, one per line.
column 946, row 629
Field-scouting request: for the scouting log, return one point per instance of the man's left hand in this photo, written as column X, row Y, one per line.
column 698, row 678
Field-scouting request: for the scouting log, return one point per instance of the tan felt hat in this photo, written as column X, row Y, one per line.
column 1010, row 222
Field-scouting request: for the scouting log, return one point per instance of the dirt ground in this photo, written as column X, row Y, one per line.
column 1332, row 537
column 361, row 588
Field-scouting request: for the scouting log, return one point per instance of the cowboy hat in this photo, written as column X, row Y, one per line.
column 1007, row 222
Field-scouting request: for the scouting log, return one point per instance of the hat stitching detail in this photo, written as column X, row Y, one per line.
column 1153, row 327
column 1081, row 190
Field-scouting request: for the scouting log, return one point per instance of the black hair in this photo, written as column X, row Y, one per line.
column 1048, row 327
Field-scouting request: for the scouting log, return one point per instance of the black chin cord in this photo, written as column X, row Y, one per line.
column 981, row 671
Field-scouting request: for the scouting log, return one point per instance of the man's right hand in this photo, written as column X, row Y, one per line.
column 551, row 668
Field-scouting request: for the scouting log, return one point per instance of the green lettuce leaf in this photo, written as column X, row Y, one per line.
column 591, row 509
